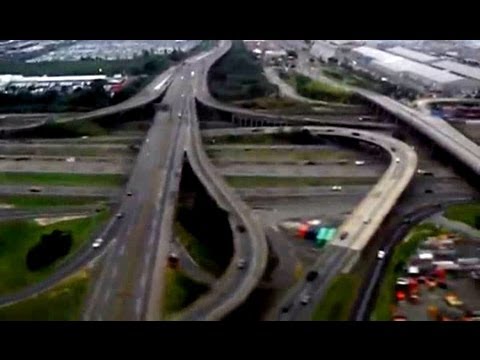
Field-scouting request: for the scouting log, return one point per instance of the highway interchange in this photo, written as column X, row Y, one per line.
column 130, row 284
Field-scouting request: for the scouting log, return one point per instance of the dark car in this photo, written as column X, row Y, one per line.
column 311, row 276
column 343, row 235
column 241, row 229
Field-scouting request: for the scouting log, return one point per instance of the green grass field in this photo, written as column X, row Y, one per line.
column 280, row 154
column 466, row 213
column 318, row 90
column 61, row 179
column 180, row 291
column 385, row 298
column 337, row 303
column 75, row 148
column 18, row 236
column 199, row 252
column 62, row 303
column 263, row 139
column 30, row 201
column 267, row 181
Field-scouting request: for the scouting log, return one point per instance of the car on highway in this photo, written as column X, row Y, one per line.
column 241, row 264
column 311, row 276
column 380, row 254
column 397, row 160
column 241, row 229
column 336, row 188
column 286, row 308
column 309, row 162
column 119, row 215
column 35, row 189
column 97, row 243
column 367, row 221
column 305, row 299
column 359, row 163
column 343, row 235
column 179, row 115
column 129, row 194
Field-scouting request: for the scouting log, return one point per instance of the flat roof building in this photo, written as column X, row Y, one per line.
column 409, row 73
column 471, row 72
column 412, row 54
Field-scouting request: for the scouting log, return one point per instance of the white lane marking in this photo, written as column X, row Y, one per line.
column 107, row 295
column 143, row 281
column 198, row 58
column 150, row 242
column 138, row 305
column 162, row 83
column 122, row 249
column 114, row 272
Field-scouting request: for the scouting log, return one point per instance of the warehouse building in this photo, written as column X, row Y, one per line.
column 412, row 54
column 468, row 71
column 408, row 73
column 323, row 50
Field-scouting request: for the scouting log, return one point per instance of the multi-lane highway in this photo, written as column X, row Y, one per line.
column 440, row 132
column 368, row 216
column 87, row 254
column 129, row 285
column 235, row 285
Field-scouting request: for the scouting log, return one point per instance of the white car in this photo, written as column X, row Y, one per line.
column 380, row 254
column 179, row 115
column 397, row 160
column 336, row 188
column 366, row 221
column 359, row 163
column 305, row 299
column 97, row 243
column 241, row 264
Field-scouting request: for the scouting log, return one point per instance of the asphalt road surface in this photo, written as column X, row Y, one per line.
column 125, row 286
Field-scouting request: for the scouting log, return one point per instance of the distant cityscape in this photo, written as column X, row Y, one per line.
column 71, row 50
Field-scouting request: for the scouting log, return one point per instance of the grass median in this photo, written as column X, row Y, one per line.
column 61, row 179
column 274, row 155
column 466, row 213
column 337, row 303
column 17, row 237
column 272, row 181
column 401, row 254
column 62, row 303
column 38, row 201
column 200, row 253
column 180, row 291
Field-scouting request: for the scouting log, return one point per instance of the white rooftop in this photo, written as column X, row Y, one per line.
column 399, row 64
column 412, row 54
column 465, row 70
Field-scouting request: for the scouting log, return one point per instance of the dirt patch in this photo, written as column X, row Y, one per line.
column 50, row 221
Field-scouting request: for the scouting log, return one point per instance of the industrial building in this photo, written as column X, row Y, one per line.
column 460, row 69
column 39, row 84
column 408, row 73
column 412, row 54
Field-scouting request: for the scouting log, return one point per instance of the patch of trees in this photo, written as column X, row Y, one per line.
column 239, row 76
column 51, row 248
